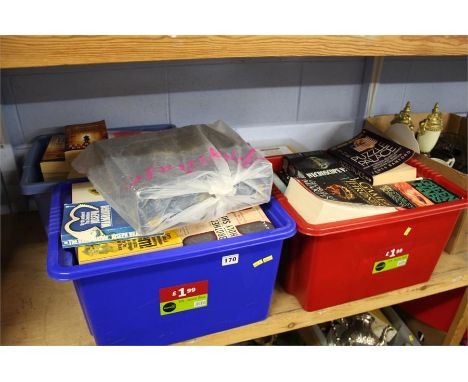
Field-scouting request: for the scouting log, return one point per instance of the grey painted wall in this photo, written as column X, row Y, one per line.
column 243, row 93
column 423, row 82
column 309, row 103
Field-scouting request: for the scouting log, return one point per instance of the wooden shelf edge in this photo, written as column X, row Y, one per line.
column 40, row 311
column 286, row 314
column 38, row 51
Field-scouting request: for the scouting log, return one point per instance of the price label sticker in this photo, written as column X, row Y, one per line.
column 389, row 264
column 230, row 259
column 182, row 297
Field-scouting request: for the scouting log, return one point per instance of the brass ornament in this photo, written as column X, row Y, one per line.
column 433, row 122
column 429, row 131
column 404, row 116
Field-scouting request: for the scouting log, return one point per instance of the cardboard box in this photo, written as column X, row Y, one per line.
column 453, row 123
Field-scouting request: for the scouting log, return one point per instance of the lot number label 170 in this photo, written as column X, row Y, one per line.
column 230, row 259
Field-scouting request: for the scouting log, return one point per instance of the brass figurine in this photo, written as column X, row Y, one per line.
column 433, row 122
column 429, row 130
column 404, row 116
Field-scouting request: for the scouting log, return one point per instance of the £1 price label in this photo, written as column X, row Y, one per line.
column 395, row 250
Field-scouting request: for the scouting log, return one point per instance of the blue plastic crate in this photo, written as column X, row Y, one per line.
column 121, row 300
column 32, row 183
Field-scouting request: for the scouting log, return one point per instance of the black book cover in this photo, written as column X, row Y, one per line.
column 325, row 176
column 314, row 163
column 369, row 154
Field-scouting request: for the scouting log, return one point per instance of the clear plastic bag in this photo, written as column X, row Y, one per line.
column 174, row 177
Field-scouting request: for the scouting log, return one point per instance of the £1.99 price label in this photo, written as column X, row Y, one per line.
column 183, row 297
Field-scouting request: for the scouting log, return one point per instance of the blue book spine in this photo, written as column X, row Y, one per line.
column 91, row 223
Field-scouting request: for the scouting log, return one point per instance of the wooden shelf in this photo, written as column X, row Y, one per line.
column 39, row 311
column 286, row 313
column 36, row 51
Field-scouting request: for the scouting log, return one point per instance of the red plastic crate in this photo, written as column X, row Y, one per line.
column 331, row 264
column 437, row 310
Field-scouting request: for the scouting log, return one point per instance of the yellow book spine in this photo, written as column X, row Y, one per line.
column 135, row 246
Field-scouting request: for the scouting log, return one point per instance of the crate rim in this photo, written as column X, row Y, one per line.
column 61, row 272
column 29, row 188
column 342, row 226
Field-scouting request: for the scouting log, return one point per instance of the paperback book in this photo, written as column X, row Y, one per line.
column 93, row 222
column 371, row 157
column 303, row 196
column 233, row 224
column 322, row 190
column 326, row 177
column 419, row 193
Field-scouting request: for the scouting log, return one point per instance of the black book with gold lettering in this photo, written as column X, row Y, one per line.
column 326, row 177
column 375, row 158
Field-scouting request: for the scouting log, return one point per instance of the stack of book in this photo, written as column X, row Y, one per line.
column 53, row 164
column 63, row 148
column 98, row 232
column 364, row 176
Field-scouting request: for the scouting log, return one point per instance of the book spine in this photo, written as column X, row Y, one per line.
column 285, row 164
column 433, row 191
column 133, row 246
column 357, row 172
column 69, row 241
column 394, row 196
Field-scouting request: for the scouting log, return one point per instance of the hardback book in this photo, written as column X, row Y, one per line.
column 233, row 224
column 93, row 222
column 419, row 193
column 303, row 195
column 84, row 192
column 78, row 137
column 53, row 165
column 371, row 157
